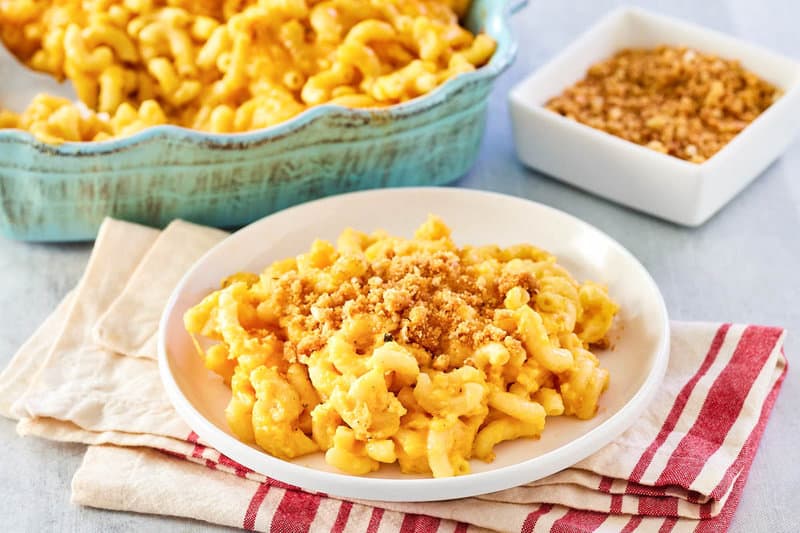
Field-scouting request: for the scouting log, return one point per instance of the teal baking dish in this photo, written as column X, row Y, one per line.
column 63, row 192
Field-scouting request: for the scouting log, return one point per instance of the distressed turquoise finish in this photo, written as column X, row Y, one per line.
column 62, row 193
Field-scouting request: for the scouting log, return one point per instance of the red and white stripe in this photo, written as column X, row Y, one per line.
column 686, row 407
column 739, row 428
column 720, row 407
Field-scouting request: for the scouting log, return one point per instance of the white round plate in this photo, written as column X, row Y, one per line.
column 637, row 362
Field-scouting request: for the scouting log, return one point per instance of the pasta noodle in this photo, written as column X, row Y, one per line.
column 382, row 349
column 231, row 65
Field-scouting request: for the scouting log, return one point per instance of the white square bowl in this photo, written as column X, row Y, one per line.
column 641, row 178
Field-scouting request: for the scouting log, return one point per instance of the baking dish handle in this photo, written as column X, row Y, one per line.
column 514, row 6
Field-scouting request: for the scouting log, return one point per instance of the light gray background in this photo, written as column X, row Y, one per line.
column 741, row 266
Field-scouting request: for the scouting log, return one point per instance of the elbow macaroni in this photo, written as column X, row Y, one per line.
column 382, row 350
column 232, row 65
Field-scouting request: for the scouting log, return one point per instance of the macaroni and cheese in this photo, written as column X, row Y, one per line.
column 229, row 65
column 381, row 350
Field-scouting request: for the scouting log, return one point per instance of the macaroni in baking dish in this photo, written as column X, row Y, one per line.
column 229, row 66
column 382, row 349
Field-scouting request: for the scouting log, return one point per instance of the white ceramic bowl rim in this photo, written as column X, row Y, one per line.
column 489, row 481
column 633, row 175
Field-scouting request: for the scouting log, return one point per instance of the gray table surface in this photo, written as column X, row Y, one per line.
column 740, row 266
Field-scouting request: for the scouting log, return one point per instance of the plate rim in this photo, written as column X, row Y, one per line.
column 417, row 489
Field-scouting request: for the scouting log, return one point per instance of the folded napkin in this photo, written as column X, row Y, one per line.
column 88, row 375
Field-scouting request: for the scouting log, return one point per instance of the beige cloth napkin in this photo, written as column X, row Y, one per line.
column 130, row 325
column 97, row 383
column 144, row 480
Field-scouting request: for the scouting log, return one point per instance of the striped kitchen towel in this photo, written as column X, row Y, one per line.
column 88, row 375
column 193, row 479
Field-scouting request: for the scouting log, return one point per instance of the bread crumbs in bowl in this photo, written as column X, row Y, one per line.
column 675, row 100
column 657, row 114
